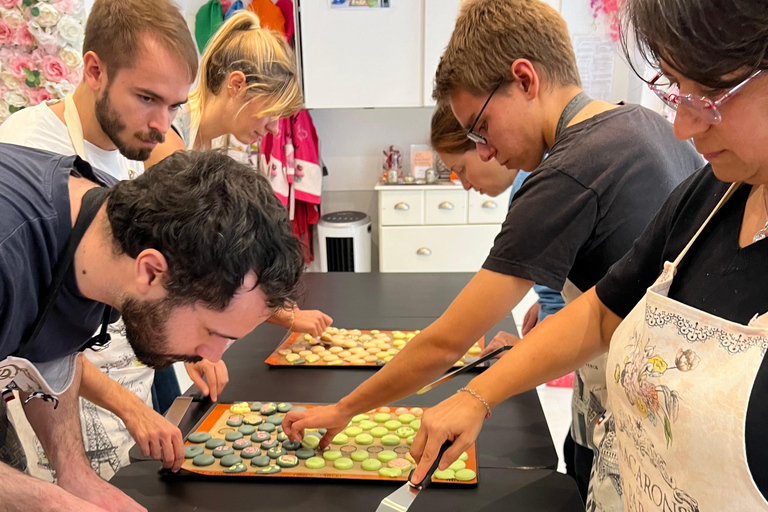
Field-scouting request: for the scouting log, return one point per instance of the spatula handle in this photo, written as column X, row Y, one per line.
column 428, row 477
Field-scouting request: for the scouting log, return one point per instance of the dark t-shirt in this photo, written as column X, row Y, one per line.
column 716, row 276
column 35, row 222
column 581, row 209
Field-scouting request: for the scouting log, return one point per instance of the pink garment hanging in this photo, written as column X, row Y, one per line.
column 291, row 161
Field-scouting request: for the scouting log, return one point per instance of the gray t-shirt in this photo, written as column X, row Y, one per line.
column 580, row 211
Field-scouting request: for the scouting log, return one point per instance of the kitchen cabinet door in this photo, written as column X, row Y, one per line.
column 439, row 20
column 362, row 58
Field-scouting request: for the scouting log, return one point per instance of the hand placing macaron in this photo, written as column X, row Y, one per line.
column 330, row 417
column 457, row 419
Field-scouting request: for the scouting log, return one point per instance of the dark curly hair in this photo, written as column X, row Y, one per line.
column 716, row 43
column 214, row 220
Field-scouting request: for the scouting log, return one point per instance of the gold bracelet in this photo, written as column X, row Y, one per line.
column 477, row 395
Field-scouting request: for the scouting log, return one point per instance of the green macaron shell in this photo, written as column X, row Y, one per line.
column 246, row 430
column 343, row 464
column 213, row 443
column 261, row 461
column 379, row 432
column 371, row 464
column 204, row 459
column 465, row 475
column 386, row 455
column 392, row 425
column 315, row 462
column 331, row 454
column 233, row 436
column 390, row 440
column 193, row 450
column 199, row 437
column 230, row 460
column 364, row 439
column 236, row 468
column 448, row 474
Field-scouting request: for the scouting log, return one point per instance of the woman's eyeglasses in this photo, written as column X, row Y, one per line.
column 706, row 108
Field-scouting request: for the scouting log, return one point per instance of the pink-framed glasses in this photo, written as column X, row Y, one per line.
column 706, row 108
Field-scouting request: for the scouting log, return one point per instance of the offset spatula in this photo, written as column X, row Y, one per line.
column 448, row 376
column 401, row 499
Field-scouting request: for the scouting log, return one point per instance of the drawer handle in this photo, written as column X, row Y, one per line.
column 402, row 206
column 491, row 205
column 445, row 205
column 424, row 252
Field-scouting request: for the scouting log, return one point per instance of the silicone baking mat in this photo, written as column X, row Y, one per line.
column 348, row 347
column 378, row 441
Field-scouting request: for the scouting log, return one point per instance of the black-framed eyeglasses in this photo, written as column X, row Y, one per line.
column 471, row 133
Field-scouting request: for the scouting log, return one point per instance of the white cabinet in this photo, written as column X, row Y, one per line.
column 373, row 57
column 439, row 20
column 361, row 58
column 436, row 228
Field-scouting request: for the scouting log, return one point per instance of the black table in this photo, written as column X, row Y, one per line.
column 499, row 490
column 515, row 437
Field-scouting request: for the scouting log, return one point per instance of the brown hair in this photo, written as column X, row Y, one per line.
column 714, row 43
column 447, row 135
column 263, row 56
column 491, row 34
column 115, row 28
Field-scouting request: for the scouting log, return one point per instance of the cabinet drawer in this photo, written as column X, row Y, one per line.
column 488, row 210
column 435, row 248
column 402, row 208
column 445, row 207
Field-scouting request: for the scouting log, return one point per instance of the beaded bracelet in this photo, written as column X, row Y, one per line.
column 477, row 395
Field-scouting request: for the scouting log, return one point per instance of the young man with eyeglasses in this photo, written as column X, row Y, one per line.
column 510, row 75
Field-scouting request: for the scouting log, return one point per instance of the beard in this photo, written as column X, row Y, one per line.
column 113, row 125
column 145, row 327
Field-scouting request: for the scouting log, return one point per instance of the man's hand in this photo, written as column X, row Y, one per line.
column 531, row 318
column 330, row 417
column 210, row 378
column 312, row 322
column 155, row 435
column 501, row 339
column 93, row 489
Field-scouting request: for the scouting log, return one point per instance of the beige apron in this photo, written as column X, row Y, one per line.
column 679, row 382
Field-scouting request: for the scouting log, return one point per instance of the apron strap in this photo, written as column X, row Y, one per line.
column 722, row 201
column 92, row 201
column 570, row 111
column 74, row 127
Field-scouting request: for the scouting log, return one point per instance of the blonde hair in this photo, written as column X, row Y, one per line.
column 491, row 34
column 263, row 56
column 446, row 134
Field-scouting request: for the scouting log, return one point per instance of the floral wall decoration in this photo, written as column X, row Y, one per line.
column 41, row 44
column 607, row 11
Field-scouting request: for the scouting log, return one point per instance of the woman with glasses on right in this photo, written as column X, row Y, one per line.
column 683, row 314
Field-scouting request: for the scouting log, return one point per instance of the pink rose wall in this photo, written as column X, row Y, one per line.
column 37, row 40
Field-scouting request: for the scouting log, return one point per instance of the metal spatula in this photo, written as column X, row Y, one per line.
column 401, row 499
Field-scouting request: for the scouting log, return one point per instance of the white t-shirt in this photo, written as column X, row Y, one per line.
column 105, row 437
column 38, row 127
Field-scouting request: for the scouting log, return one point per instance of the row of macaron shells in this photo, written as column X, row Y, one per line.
column 306, row 450
column 350, row 347
column 248, row 420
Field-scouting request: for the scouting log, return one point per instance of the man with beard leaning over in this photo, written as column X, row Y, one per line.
column 139, row 63
column 194, row 253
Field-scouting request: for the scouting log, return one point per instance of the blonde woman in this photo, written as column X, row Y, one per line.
column 247, row 81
